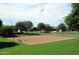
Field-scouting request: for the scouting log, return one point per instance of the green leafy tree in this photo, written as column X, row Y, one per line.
column 41, row 26
column 24, row 25
column 19, row 25
column 27, row 25
column 0, row 23
column 72, row 20
column 34, row 29
column 62, row 27
column 48, row 28
column 6, row 30
column 44, row 27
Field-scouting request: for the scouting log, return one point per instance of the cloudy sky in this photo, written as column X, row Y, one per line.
column 49, row 13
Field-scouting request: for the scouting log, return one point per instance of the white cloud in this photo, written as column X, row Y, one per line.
column 43, row 12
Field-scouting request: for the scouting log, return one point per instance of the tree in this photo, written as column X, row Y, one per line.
column 0, row 23
column 34, row 29
column 72, row 20
column 27, row 25
column 48, row 28
column 41, row 26
column 6, row 30
column 61, row 27
column 44, row 27
column 19, row 25
column 24, row 25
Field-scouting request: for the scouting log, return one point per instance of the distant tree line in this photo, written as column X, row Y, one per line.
column 26, row 26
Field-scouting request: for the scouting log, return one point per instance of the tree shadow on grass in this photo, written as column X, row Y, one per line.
column 7, row 44
column 9, row 36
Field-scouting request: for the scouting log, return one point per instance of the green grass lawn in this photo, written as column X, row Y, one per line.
column 66, row 47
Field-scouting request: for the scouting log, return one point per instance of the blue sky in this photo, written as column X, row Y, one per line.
column 49, row 13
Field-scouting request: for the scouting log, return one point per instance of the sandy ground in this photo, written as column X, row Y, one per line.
column 30, row 40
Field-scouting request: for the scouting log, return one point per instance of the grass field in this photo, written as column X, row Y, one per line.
column 66, row 47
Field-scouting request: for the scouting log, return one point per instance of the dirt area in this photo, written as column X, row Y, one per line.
column 30, row 40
